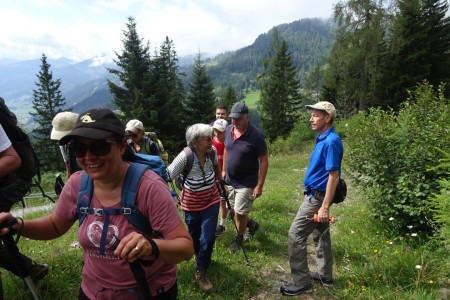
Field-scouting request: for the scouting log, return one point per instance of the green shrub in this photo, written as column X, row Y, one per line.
column 440, row 203
column 394, row 152
column 298, row 137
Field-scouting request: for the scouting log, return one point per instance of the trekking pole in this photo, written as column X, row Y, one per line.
column 222, row 191
column 11, row 246
column 139, row 275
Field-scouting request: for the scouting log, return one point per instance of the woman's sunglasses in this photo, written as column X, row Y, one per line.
column 97, row 148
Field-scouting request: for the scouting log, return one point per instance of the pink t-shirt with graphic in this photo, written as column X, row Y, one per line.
column 109, row 275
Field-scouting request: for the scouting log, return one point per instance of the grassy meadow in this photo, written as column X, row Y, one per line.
column 251, row 98
column 369, row 263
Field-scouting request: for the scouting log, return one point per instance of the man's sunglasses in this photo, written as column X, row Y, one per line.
column 97, row 148
column 132, row 134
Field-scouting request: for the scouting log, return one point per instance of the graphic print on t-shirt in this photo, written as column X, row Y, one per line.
column 94, row 232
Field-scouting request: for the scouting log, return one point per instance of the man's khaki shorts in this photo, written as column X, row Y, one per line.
column 241, row 200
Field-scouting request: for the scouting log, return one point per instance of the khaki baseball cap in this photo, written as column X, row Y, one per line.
column 325, row 106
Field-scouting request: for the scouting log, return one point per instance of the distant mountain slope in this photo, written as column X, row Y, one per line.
column 84, row 84
column 309, row 41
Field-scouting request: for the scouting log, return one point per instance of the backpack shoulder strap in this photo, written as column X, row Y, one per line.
column 84, row 196
column 129, row 193
column 190, row 160
column 212, row 156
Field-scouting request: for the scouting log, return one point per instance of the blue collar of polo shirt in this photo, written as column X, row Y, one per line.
column 325, row 134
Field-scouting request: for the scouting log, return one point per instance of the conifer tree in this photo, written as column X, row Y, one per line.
column 200, row 99
column 165, row 90
column 47, row 102
column 134, row 65
column 228, row 98
column 280, row 97
column 353, row 70
column 419, row 48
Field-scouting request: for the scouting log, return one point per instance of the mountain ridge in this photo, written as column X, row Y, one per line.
column 84, row 83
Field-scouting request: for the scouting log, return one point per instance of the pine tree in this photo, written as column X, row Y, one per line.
column 353, row 70
column 134, row 65
column 228, row 98
column 165, row 89
column 200, row 99
column 419, row 48
column 47, row 102
column 280, row 97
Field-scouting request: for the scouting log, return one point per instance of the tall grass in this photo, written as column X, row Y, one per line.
column 369, row 263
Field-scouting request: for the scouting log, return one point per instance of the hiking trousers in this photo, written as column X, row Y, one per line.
column 302, row 226
column 202, row 228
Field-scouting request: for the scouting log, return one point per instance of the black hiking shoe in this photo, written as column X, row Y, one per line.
column 253, row 226
column 219, row 230
column 236, row 244
column 320, row 279
column 293, row 290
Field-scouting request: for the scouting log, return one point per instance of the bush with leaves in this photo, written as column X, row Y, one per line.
column 440, row 204
column 395, row 152
column 300, row 134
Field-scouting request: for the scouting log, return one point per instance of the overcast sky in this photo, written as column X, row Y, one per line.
column 83, row 29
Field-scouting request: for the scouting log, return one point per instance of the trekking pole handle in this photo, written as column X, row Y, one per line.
column 331, row 219
column 221, row 187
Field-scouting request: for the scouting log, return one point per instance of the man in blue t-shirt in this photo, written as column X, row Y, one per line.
column 244, row 168
column 320, row 182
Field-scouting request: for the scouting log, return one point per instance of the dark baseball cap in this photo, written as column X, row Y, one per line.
column 96, row 124
column 238, row 109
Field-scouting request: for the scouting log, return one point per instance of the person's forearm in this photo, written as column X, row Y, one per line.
column 333, row 179
column 176, row 250
column 9, row 161
column 263, row 167
column 42, row 229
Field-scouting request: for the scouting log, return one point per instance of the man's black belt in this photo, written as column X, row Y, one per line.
column 315, row 193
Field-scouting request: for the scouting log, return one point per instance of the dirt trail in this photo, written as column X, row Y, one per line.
column 274, row 278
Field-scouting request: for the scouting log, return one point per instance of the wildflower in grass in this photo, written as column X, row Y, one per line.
column 418, row 267
column 391, row 219
column 413, row 234
column 352, row 232
column 350, row 284
column 409, row 226
column 375, row 251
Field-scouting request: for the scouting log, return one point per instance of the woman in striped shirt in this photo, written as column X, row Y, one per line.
column 200, row 197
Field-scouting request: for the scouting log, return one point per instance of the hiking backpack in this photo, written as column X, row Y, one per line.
column 162, row 152
column 17, row 184
column 154, row 162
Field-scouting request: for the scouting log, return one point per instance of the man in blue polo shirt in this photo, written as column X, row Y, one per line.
column 245, row 167
column 320, row 182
